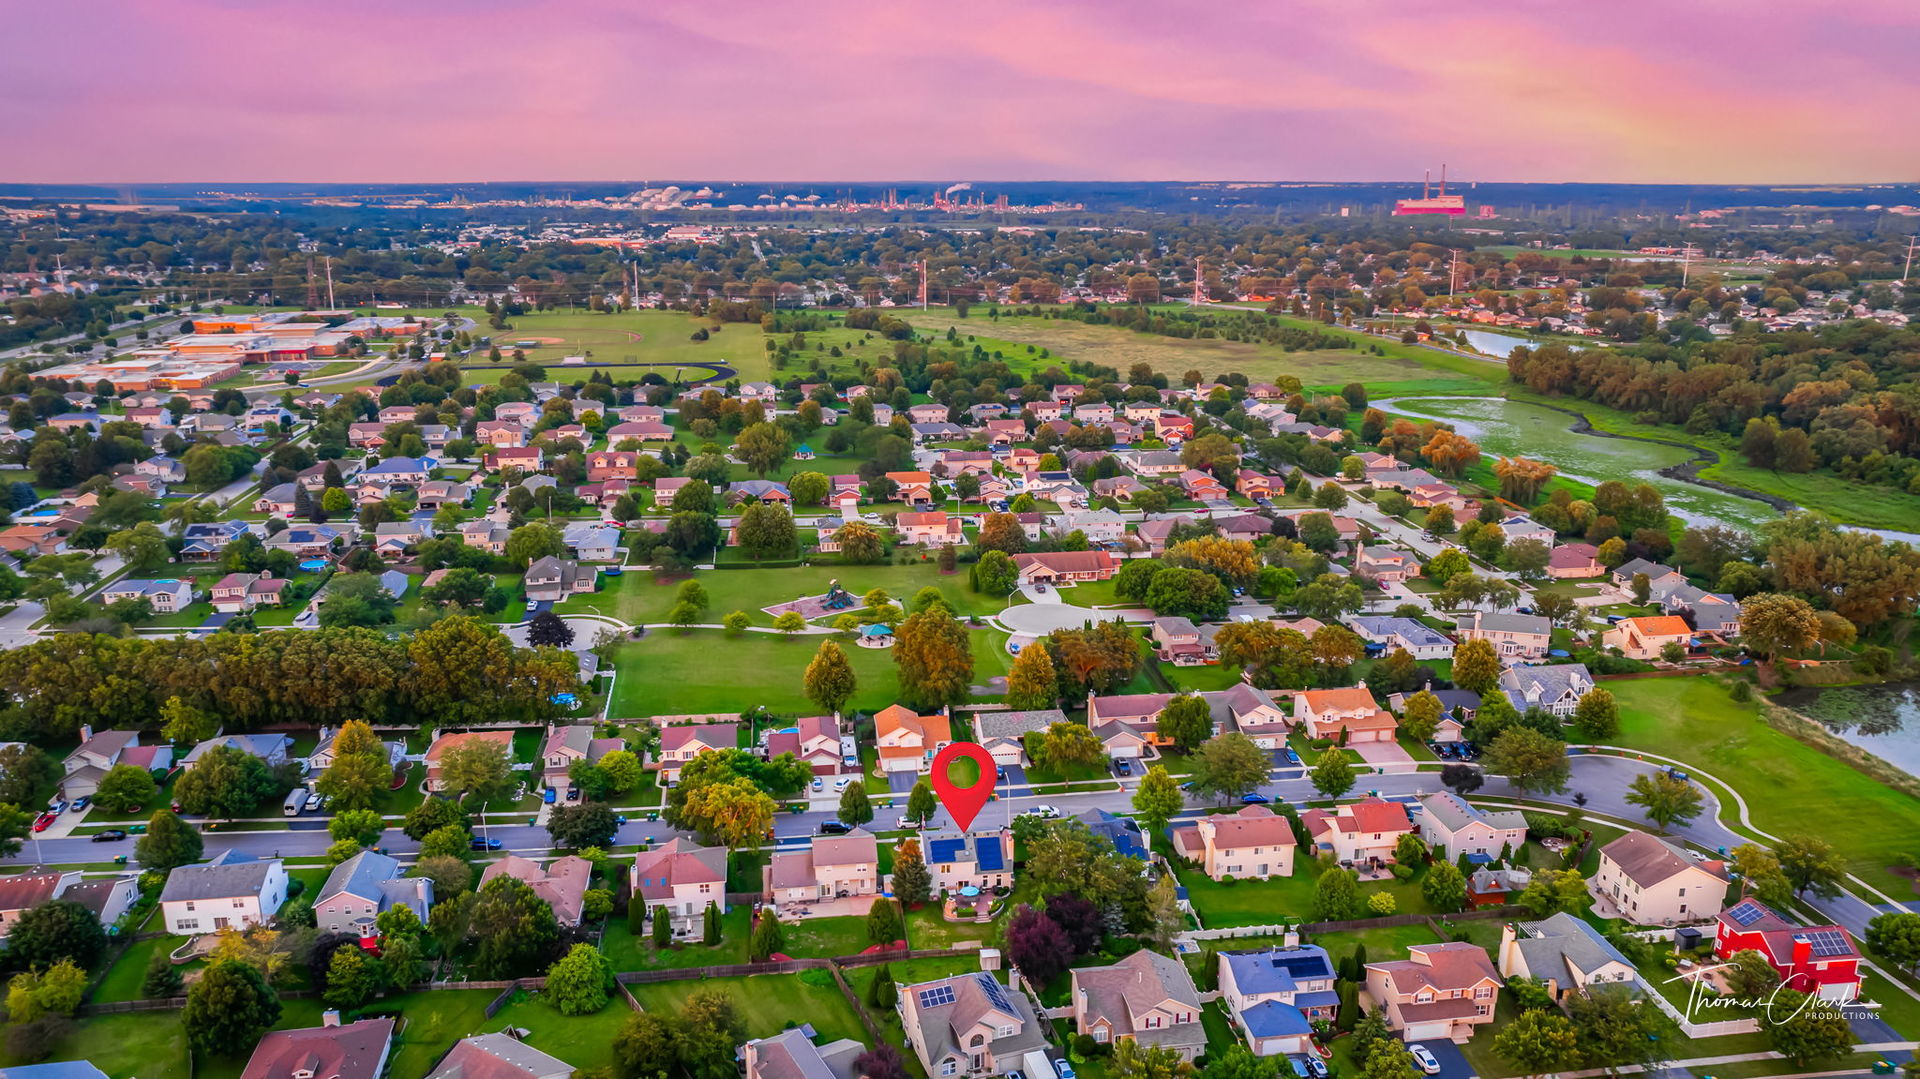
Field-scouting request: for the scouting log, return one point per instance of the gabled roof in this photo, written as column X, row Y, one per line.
column 499, row 1056
column 359, row 876
column 1647, row 859
column 1278, row 970
column 349, row 1051
column 1563, row 943
column 228, row 876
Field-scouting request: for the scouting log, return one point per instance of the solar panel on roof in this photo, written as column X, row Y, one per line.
column 947, row 850
column 1746, row 913
column 1829, row 942
column 937, row 996
column 987, row 854
column 996, row 994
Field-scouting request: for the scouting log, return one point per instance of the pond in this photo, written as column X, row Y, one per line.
column 1883, row 720
column 1506, row 428
column 1494, row 344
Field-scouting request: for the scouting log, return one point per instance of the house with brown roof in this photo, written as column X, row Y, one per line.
column 1254, row 842
column 1513, row 636
column 792, row 1054
column 1653, row 881
column 570, row 742
column 1573, row 560
column 831, row 868
column 332, row 1050
column 499, row 1056
column 930, row 529
column 1438, row 991
column 561, row 883
column 86, row 766
column 107, row 897
column 813, row 739
column 447, row 741
column 912, row 487
column 1327, row 713
column 20, row 894
column 1178, row 641
column 969, row 1025
column 238, row 592
column 553, row 579
column 681, row 743
column 1363, row 832
column 1646, row 636
column 1147, row 997
column 682, row 877
column 1127, row 723
column 1386, row 565
column 1057, row 567
column 906, row 740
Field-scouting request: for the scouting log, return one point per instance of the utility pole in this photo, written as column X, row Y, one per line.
column 1453, row 272
column 312, row 298
column 1686, row 264
column 1199, row 283
column 330, row 306
column 1908, row 275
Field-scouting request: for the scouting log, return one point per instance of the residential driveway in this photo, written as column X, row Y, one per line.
column 1391, row 756
column 902, row 782
column 1016, row 776
column 1453, row 1063
column 216, row 620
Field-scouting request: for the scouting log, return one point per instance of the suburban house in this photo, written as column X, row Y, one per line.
column 271, row 748
column 499, row 1056
column 361, row 887
column 237, row 592
column 206, row 541
column 813, row 739
column 1418, row 639
column 1820, row 960
column 681, row 743
column 570, row 742
column 1363, row 832
column 232, row 890
column 931, row 529
column 1574, row 560
column 553, row 579
column 1127, row 723
column 830, row 868
column 448, row 741
column 912, row 488
column 591, row 542
column 1252, row 712
column 1275, row 995
column 1123, row 832
column 792, row 1054
column 1652, row 881
column 107, row 897
column 1449, row 821
column 1097, row 525
column 1438, row 991
column 1003, row 734
column 1513, row 636
column 21, row 894
column 1326, row 713
column 1254, row 842
column 332, row 1050
column 1386, row 564
column 98, row 753
column 957, row 860
column 1147, row 997
column 164, row 597
column 906, row 741
column 1056, row 567
column 681, row 877
column 1565, row 953
column 969, row 1025
column 1178, row 641
column 1522, row 527
column 1556, row 689
column 562, row 883
column 1645, row 637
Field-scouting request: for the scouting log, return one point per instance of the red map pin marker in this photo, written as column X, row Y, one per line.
column 963, row 803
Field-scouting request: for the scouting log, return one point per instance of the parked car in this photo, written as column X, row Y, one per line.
column 1425, row 1058
column 573, row 794
column 550, row 796
column 80, row 803
column 819, row 784
column 1044, row 812
column 1255, row 798
column 313, row 801
column 1316, row 1067
column 57, row 806
column 110, row 835
column 835, row 827
column 1292, row 756
column 46, row 821
column 480, row 843
column 1065, row 1069
column 908, row 824
column 1122, row 768
column 842, row 783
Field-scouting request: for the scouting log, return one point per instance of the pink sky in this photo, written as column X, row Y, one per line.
column 1710, row 91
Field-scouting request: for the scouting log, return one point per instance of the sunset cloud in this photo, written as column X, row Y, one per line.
column 440, row 90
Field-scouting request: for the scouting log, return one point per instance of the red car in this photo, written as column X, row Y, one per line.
column 46, row 819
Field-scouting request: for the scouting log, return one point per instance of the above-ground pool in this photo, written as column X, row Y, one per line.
column 315, row 564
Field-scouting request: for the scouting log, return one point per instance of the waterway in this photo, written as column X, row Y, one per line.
column 1494, row 344
column 1883, row 720
column 1508, row 428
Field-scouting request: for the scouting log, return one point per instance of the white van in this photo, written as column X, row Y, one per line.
column 296, row 801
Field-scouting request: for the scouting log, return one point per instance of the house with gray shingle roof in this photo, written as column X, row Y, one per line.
column 1556, row 689
column 1002, row 732
column 1564, row 952
column 232, row 891
column 1147, row 997
column 363, row 886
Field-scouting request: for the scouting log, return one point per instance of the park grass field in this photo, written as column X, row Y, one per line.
column 1398, row 371
column 703, row 671
column 767, row 1002
column 1782, row 779
column 638, row 597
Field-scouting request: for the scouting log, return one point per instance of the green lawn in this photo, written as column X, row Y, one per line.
column 434, row 1021
column 640, row 598
column 638, row 953
column 1694, row 720
column 122, row 980
column 826, row 938
column 137, row 1045
column 769, row 1002
column 584, row 1041
column 1202, row 679
column 694, row 672
column 1266, row 902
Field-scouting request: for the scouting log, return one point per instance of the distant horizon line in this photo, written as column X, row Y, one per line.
column 1464, row 183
